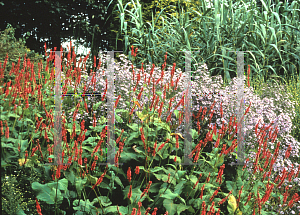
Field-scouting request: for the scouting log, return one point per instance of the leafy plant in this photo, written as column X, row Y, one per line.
column 84, row 184
column 12, row 201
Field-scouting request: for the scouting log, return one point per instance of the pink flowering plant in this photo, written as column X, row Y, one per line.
column 149, row 113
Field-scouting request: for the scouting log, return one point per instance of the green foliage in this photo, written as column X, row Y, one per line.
column 15, row 49
column 16, row 191
column 51, row 192
column 232, row 26
column 175, row 188
column 12, row 201
column 10, row 45
column 171, row 9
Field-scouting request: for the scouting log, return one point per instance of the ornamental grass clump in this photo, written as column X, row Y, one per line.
column 151, row 146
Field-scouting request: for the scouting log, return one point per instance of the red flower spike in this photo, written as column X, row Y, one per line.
column 288, row 152
column 130, row 192
column 38, row 207
column 201, row 195
column 132, row 52
column 154, row 212
column 148, row 209
column 133, row 211
column 137, row 170
column 7, row 132
column 129, row 174
column 221, row 111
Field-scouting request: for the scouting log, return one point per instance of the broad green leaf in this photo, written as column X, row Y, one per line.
column 239, row 182
column 104, row 200
column 24, row 145
column 83, row 206
column 43, row 192
column 136, row 194
column 181, row 207
column 56, row 195
column 117, row 179
column 13, row 115
column 168, row 194
column 111, row 209
column 230, row 185
column 157, row 168
column 62, row 184
column 170, row 206
column 220, row 161
column 128, row 155
column 7, row 145
column 178, row 187
column 134, row 127
column 193, row 179
column 70, row 176
column 79, row 184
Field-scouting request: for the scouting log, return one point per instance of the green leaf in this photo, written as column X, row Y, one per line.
column 139, row 151
column 118, row 118
column 181, row 208
column 193, row 179
column 62, row 184
column 24, row 145
column 7, row 145
column 111, row 209
column 256, row 185
column 43, row 192
column 47, row 192
column 128, row 154
column 117, row 179
column 134, row 127
column 179, row 187
column 170, row 206
column 265, row 6
column 56, row 195
column 169, row 194
column 239, row 182
column 156, row 169
column 230, row 185
column 176, row 112
column 79, row 184
column 105, row 201
column 220, row 161
column 13, row 115
column 91, row 140
column 84, row 206
column 181, row 173
column 136, row 194
column 88, row 148
column 19, row 210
